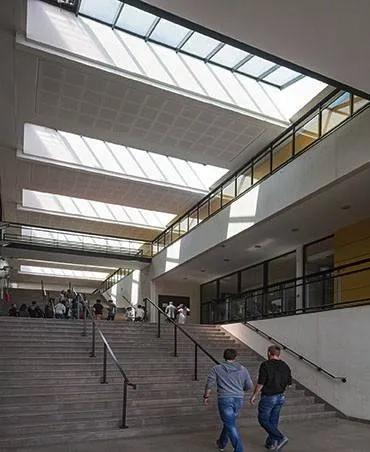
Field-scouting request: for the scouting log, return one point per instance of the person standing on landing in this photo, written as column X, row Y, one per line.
column 171, row 311
column 232, row 381
column 274, row 377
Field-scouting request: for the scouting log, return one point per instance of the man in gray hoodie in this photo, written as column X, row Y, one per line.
column 232, row 381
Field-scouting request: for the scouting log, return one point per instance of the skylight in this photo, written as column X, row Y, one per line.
column 159, row 30
column 62, row 272
column 93, row 210
column 173, row 57
column 76, row 151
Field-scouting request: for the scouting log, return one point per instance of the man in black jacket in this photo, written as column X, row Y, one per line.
column 274, row 376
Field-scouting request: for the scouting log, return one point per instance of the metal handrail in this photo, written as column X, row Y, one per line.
column 294, row 353
column 121, row 245
column 107, row 349
column 310, row 278
column 109, row 280
column 183, row 331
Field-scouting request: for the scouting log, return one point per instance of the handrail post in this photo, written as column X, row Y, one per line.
column 159, row 325
column 175, row 340
column 124, row 406
column 92, row 354
column 196, row 363
column 84, row 332
column 104, row 379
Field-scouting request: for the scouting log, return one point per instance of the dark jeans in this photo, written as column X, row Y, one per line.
column 268, row 416
column 229, row 409
column 111, row 316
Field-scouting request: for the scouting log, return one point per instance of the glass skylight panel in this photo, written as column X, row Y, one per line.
column 104, row 10
column 63, row 272
column 151, row 65
column 101, row 153
column 229, row 56
column 206, row 78
column 281, row 76
column 200, row 45
column 256, row 66
column 178, row 69
column 169, row 33
column 79, row 152
column 97, row 211
column 135, row 20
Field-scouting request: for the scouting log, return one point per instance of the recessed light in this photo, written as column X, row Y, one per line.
column 226, row 259
column 258, row 246
column 294, row 229
column 346, row 207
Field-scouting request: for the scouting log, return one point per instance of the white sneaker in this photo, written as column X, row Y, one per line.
column 282, row 443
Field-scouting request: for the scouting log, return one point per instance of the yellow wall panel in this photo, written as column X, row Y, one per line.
column 350, row 245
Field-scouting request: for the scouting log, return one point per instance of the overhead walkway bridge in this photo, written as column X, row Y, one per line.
column 22, row 237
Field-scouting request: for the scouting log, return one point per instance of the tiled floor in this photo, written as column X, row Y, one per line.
column 324, row 435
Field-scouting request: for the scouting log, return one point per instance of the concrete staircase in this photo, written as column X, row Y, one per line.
column 50, row 390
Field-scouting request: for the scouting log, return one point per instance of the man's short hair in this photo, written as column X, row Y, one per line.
column 230, row 354
column 274, row 350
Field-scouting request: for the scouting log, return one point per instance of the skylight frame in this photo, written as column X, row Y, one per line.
column 181, row 46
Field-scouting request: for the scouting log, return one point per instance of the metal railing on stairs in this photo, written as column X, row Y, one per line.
column 176, row 328
column 107, row 350
column 295, row 354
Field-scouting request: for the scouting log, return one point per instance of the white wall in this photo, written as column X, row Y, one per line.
column 337, row 340
column 134, row 287
column 338, row 155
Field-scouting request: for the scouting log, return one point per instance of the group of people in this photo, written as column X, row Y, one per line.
column 131, row 313
column 69, row 305
column 179, row 313
column 232, row 380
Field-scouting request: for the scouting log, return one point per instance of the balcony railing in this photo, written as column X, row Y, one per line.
column 18, row 234
column 342, row 286
column 334, row 111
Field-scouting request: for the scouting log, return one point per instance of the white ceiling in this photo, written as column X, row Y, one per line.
column 330, row 38
column 88, row 101
column 69, row 182
column 315, row 217
column 48, row 90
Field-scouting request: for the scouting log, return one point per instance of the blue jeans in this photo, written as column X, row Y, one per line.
column 229, row 408
column 268, row 416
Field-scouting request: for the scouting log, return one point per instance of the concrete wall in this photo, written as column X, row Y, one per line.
column 341, row 153
column 336, row 340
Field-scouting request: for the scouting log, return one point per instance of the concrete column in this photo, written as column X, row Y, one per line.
column 299, row 274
